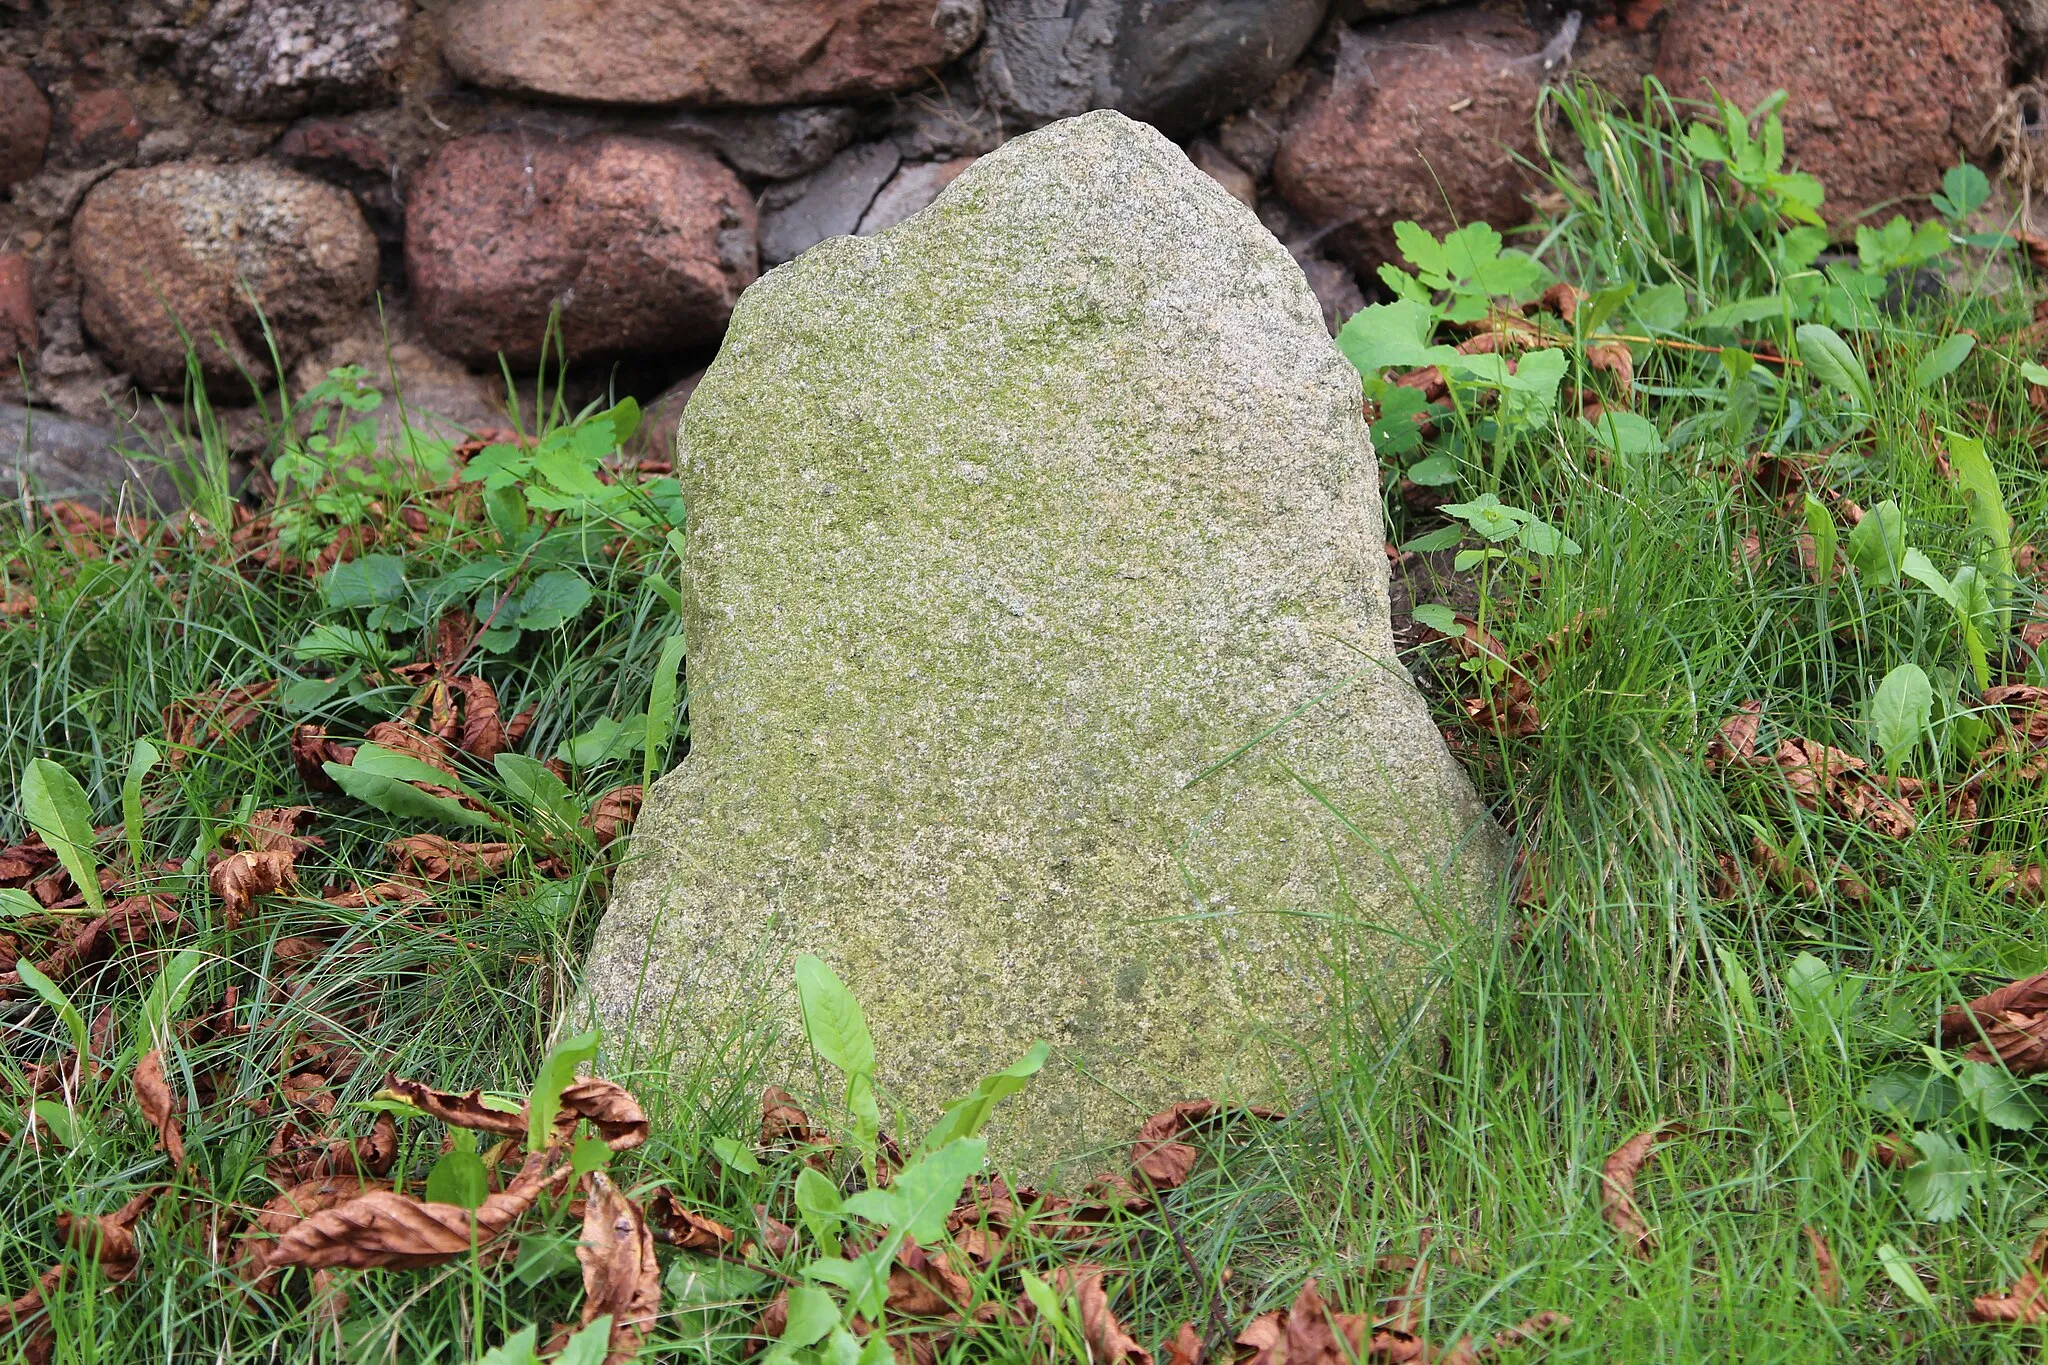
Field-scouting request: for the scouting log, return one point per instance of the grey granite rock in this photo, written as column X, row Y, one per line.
column 780, row 144
column 266, row 59
column 1179, row 64
column 1038, row 622
column 830, row 202
column 65, row 458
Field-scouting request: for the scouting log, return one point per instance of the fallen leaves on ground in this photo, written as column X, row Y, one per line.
column 1827, row 1277
column 110, row 1237
column 1311, row 1333
column 615, row 812
column 2009, row 1025
column 384, row 1228
column 153, row 1097
column 620, row 1274
column 212, row 716
column 239, row 878
column 1160, row 1160
column 1618, row 1189
column 2027, row 1300
column 429, row 857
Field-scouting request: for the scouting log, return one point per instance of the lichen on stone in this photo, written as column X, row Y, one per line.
column 1038, row 637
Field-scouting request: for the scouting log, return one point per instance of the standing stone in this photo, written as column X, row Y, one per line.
column 644, row 245
column 705, row 52
column 190, row 243
column 1036, row 603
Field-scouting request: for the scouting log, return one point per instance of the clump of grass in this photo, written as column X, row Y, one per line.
column 1689, row 947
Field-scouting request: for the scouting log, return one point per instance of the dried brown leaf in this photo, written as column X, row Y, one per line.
column 369, row 1155
column 678, row 1226
column 1613, row 358
column 278, row 829
column 1108, row 1342
column 110, row 1237
column 1618, row 1189
column 1827, row 1278
column 1186, row 1346
column 620, row 1274
column 411, row 741
column 240, row 878
column 153, row 1097
column 379, row 893
column 607, row 1106
column 432, row 858
column 382, row 1228
column 483, row 729
column 211, row 716
column 310, row 749
column 615, row 812
column 455, row 1110
column 2027, row 1300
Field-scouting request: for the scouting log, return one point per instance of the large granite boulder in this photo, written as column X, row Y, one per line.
column 1038, row 625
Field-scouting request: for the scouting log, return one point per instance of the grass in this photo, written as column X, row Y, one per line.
column 1651, row 968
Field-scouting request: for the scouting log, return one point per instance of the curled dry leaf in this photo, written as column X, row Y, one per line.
column 784, row 1124
column 153, row 1097
column 126, row 922
column 1827, row 1278
column 679, row 1227
column 379, row 893
column 1186, row 1346
column 615, row 1114
column 381, row 1228
column 483, row 729
column 414, row 743
column 615, row 812
column 370, row 1155
column 310, row 749
column 620, row 1274
column 456, row 1110
column 2010, row 1023
column 1613, row 358
column 1618, row 1189
column 240, row 878
column 1108, row 1342
column 278, row 829
column 432, row 858
column 110, row 1237
column 2027, row 1300
column 924, row 1285
column 607, row 1106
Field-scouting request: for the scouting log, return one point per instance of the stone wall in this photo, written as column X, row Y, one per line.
column 470, row 165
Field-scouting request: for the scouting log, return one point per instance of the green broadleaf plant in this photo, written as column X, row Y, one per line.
column 55, row 807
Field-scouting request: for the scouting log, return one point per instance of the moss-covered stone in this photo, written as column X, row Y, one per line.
column 1007, row 528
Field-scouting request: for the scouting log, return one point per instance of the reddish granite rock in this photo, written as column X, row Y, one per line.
column 1421, row 111
column 100, row 125
column 1885, row 94
column 645, row 245
column 17, row 316
column 705, row 52
column 179, row 240
column 24, row 126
